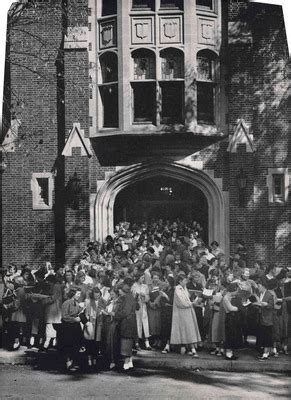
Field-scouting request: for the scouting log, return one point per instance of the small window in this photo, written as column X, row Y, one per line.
column 109, row 68
column 208, row 4
column 145, row 5
column 205, row 102
column 278, row 181
column 42, row 191
column 172, row 64
column 144, row 100
column 172, row 102
column 205, row 68
column 172, row 4
column 144, row 65
column 109, row 97
column 278, row 186
column 109, row 7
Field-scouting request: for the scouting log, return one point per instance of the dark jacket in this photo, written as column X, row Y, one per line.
column 125, row 315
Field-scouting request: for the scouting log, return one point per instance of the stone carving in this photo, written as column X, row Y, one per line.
column 206, row 31
column 170, row 30
column 107, row 34
column 142, row 30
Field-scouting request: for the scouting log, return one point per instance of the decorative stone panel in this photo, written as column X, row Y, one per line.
column 206, row 31
column 107, row 34
column 171, row 30
column 142, row 30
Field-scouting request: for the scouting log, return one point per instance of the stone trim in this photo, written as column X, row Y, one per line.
column 40, row 202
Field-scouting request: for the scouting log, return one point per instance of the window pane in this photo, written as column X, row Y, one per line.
column 43, row 191
column 109, row 69
column 205, row 68
column 144, row 65
column 143, row 4
column 172, row 63
column 109, row 96
column 205, row 3
column 109, row 7
column 172, row 4
column 205, row 102
column 144, row 102
column 172, row 102
column 278, row 182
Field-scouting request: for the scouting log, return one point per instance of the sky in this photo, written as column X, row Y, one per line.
column 5, row 4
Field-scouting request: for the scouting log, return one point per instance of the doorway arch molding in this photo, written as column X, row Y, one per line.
column 106, row 195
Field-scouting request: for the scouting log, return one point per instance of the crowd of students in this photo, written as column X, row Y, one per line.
column 155, row 286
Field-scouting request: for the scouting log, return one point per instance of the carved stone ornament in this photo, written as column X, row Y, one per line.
column 206, row 31
column 170, row 30
column 107, row 34
column 142, row 30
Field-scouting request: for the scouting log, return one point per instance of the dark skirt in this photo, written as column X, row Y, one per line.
column 71, row 338
column 110, row 339
column 233, row 330
column 126, row 347
column 166, row 322
column 265, row 336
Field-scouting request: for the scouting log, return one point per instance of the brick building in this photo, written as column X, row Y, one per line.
column 134, row 109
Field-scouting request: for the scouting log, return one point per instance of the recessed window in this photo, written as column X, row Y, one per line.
column 172, row 64
column 145, row 5
column 205, row 102
column 109, row 98
column 109, row 7
column 144, row 101
column 206, row 86
column 278, row 186
column 42, row 191
column 208, row 4
column 144, row 65
column 172, row 94
column 109, row 68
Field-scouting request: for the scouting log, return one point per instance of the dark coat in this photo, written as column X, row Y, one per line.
column 125, row 315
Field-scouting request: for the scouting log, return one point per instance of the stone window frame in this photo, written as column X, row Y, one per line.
column 36, row 203
column 272, row 198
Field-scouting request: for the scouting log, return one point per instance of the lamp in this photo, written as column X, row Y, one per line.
column 241, row 179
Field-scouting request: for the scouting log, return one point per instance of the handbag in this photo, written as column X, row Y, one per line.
column 88, row 331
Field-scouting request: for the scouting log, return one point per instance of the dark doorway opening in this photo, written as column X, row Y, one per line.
column 162, row 197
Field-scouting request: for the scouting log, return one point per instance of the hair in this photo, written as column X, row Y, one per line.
column 214, row 243
column 94, row 290
column 72, row 291
column 270, row 267
column 180, row 277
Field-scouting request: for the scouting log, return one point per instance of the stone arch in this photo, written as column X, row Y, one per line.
column 107, row 192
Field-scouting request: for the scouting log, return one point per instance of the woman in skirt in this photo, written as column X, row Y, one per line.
column 233, row 329
column 126, row 317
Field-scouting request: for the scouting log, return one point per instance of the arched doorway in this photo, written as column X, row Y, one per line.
column 103, row 218
column 162, row 197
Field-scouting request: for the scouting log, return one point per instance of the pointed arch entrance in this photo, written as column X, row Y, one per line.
column 106, row 195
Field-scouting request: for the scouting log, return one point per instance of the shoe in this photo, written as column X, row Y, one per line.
column 69, row 364
column 195, row 355
column 82, row 349
column 263, row 357
column 149, row 348
column 126, row 367
column 74, row 368
column 16, row 346
column 165, row 351
column 112, row 365
column 231, row 358
column 214, row 352
column 130, row 365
